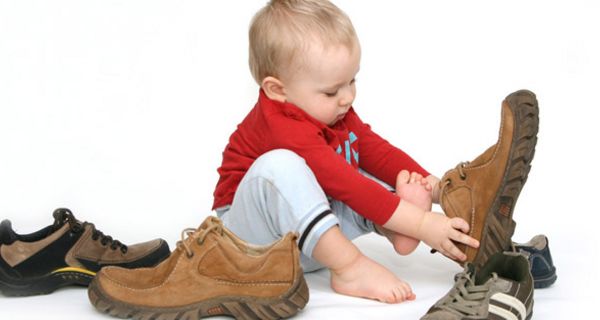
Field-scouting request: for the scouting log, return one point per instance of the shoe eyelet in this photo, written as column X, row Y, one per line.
column 190, row 255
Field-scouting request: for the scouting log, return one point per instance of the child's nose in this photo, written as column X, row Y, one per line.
column 347, row 98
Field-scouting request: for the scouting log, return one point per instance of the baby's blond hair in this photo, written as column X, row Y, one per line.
column 284, row 27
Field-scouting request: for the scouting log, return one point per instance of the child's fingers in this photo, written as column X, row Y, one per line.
column 455, row 252
column 446, row 249
column 460, row 224
column 463, row 238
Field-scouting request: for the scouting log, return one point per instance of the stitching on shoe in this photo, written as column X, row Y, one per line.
column 78, row 274
column 253, row 283
column 220, row 246
column 472, row 213
column 75, row 251
column 150, row 288
column 134, row 258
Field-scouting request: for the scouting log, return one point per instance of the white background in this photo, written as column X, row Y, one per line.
column 120, row 110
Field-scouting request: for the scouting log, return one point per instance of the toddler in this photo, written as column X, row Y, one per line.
column 303, row 160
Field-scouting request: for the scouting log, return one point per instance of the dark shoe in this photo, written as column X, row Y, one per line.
column 212, row 272
column 484, row 191
column 501, row 289
column 537, row 252
column 67, row 252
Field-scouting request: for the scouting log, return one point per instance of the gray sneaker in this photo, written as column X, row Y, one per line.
column 502, row 289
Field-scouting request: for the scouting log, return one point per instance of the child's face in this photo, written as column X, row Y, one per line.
column 324, row 87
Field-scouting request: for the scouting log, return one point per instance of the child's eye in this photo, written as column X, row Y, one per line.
column 331, row 94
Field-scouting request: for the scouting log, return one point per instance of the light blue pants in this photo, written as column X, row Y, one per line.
column 279, row 194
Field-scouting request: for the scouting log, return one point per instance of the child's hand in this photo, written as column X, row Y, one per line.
column 438, row 231
column 413, row 188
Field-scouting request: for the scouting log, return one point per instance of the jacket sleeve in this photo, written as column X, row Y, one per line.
column 337, row 178
column 379, row 157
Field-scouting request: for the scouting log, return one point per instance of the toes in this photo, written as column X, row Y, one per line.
column 408, row 293
column 398, row 295
column 403, row 177
column 413, row 177
column 402, row 292
column 394, row 296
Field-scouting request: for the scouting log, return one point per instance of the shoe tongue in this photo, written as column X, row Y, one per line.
column 483, row 158
column 494, row 278
column 62, row 216
column 208, row 222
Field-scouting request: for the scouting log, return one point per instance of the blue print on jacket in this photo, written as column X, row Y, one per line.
column 350, row 152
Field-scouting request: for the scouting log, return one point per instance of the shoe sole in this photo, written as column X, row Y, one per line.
column 239, row 307
column 11, row 287
column 542, row 283
column 499, row 225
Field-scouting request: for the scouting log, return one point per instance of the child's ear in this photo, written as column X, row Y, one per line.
column 274, row 89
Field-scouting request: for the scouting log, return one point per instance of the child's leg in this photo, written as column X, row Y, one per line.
column 354, row 274
column 403, row 244
column 278, row 194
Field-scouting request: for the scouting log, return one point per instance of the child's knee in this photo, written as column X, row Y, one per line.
column 279, row 162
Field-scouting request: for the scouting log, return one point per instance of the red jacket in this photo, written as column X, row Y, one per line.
column 334, row 154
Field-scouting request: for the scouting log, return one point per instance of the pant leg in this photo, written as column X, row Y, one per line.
column 279, row 194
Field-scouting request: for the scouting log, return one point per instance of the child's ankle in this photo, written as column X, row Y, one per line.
column 347, row 265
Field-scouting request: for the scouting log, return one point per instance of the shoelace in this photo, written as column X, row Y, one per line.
column 467, row 297
column 191, row 234
column 461, row 172
column 63, row 215
column 106, row 239
column 461, row 169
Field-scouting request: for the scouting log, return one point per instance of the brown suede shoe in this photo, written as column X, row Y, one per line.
column 484, row 191
column 212, row 272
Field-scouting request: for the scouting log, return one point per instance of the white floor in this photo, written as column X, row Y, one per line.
column 430, row 275
column 120, row 110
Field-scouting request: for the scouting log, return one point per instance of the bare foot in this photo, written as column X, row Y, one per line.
column 413, row 188
column 403, row 244
column 366, row 278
